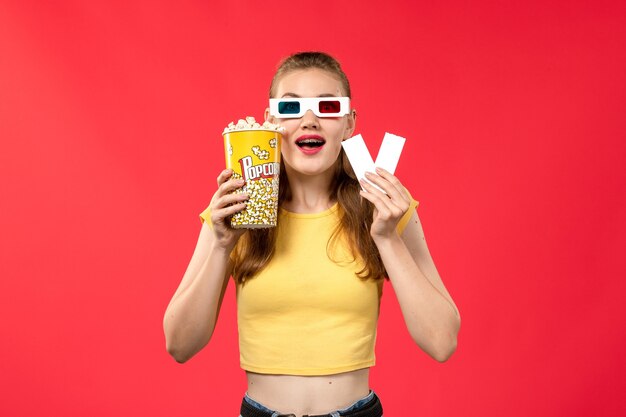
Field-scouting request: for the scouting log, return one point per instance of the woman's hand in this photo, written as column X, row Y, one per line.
column 224, row 204
column 388, row 208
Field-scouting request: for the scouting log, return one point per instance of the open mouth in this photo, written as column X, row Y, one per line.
column 310, row 142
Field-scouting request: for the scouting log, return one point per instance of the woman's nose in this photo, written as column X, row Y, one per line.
column 309, row 120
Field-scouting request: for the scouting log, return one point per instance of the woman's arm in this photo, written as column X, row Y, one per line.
column 429, row 312
column 193, row 311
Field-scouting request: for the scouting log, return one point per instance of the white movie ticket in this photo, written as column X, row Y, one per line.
column 361, row 159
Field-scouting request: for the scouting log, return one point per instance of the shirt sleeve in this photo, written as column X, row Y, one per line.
column 205, row 216
column 407, row 216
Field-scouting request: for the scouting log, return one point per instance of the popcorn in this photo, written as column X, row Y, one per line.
column 251, row 124
column 253, row 153
column 261, row 208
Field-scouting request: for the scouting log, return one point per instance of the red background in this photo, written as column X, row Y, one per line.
column 110, row 122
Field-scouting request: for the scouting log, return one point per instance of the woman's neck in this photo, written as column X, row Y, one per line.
column 308, row 193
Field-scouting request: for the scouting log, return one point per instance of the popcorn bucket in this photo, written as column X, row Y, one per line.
column 254, row 155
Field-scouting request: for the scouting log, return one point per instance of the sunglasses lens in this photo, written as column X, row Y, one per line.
column 289, row 107
column 329, row 106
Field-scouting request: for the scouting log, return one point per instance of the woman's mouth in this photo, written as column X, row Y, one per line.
column 310, row 144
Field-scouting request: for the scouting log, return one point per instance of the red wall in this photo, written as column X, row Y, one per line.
column 110, row 122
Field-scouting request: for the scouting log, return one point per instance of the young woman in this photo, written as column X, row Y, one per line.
column 308, row 291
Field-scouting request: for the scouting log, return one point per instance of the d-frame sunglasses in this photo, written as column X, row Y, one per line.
column 295, row 107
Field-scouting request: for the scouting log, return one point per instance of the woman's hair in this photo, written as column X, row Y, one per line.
column 256, row 247
column 308, row 60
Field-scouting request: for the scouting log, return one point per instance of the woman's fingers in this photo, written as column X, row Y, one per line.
column 402, row 192
column 226, row 206
column 229, row 186
column 229, row 199
column 386, row 195
column 224, row 175
column 226, row 186
column 378, row 198
column 225, row 201
column 387, row 182
column 219, row 215
column 226, row 183
column 392, row 186
column 374, row 199
column 389, row 206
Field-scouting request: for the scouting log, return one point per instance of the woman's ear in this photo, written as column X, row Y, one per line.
column 268, row 118
column 351, row 123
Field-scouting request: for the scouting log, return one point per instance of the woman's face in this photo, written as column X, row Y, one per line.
column 311, row 159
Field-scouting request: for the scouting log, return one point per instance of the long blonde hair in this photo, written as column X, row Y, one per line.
column 255, row 248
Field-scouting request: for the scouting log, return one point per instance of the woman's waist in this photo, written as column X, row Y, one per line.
column 308, row 394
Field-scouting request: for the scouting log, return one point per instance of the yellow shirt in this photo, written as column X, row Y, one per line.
column 304, row 314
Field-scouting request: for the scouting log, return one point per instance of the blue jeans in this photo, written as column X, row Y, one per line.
column 353, row 406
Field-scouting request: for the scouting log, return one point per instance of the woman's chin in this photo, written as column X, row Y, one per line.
column 309, row 170
column 309, row 166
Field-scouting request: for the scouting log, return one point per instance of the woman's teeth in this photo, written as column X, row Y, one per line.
column 310, row 143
